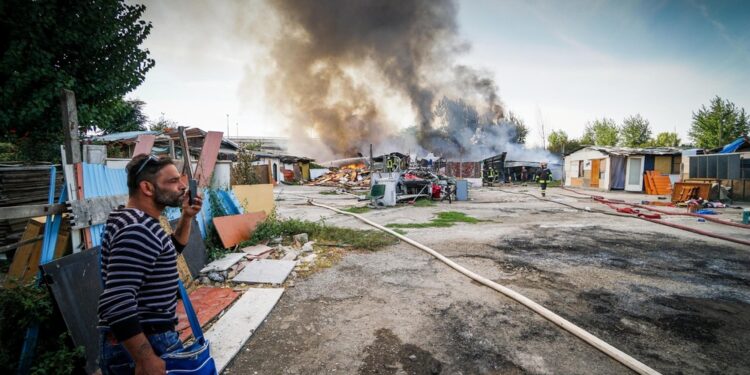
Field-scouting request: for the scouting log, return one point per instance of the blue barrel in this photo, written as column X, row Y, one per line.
column 462, row 190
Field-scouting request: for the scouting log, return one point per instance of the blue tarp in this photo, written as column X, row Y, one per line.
column 732, row 147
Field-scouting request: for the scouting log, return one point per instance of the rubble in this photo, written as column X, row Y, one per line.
column 347, row 176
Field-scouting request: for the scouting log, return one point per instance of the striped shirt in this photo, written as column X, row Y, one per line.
column 139, row 270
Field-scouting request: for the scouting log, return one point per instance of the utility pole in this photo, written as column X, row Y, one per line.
column 227, row 124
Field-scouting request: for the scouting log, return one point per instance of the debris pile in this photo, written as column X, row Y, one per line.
column 347, row 176
column 261, row 264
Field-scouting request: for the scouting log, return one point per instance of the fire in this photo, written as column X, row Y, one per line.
column 353, row 166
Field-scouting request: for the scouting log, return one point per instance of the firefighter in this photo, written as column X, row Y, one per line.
column 543, row 176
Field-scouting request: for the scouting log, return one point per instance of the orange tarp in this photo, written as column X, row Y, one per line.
column 234, row 229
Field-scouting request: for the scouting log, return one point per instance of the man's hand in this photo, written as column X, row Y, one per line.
column 189, row 210
column 146, row 361
column 152, row 365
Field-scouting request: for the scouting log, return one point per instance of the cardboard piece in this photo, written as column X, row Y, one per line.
column 234, row 229
column 255, row 197
column 266, row 271
column 224, row 263
column 231, row 331
column 208, row 302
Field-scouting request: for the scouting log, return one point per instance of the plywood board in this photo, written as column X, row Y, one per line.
column 234, row 229
column 265, row 271
column 208, row 303
column 231, row 331
column 255, row 197
column 224, row 263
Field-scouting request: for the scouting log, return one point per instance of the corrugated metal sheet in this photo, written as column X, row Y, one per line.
column 101, row 181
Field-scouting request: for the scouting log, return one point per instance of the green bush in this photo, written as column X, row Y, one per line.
column 22, row 306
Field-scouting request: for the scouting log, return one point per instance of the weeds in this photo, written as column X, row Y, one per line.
column 318, row 231
column 424, row 202
column 357, row 209
column 445, row 219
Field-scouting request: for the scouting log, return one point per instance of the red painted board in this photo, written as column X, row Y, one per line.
column 207, row 161
column 234, row 229
column 207, row 302
column 143, row 144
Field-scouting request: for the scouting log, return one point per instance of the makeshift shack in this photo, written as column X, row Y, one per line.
column 619, row 168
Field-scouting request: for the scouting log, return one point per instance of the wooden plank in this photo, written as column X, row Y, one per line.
column 233, row 329
column 78, row 167
column 70, row 126
column 234, row 229
column 29, row 211
column 207, row 160
column 144, row 144
column 26, row 260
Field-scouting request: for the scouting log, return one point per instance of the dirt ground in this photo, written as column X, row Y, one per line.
column 677, row 301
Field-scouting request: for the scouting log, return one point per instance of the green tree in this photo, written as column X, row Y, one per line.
column 126, row 115
column 601, row 132
column 635, row 131
column 665, row 139
column 718, row 125
column 521, row 130
column 90, row 47
column 163, row 124
column 559, row 143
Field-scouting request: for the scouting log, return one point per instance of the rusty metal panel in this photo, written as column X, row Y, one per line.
column 207, row 160
column 237, row 228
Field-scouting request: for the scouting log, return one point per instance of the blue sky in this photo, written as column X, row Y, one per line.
column 557, row 63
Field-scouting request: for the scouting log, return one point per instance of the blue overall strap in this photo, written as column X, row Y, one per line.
column 192, row 318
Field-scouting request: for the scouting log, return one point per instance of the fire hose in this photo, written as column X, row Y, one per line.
column 706, row 217
column 584, row 335
column 647, row 217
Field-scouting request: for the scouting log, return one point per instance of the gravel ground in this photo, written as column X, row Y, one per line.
column 675, row 300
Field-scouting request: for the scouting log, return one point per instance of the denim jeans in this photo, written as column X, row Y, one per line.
column 114, row 359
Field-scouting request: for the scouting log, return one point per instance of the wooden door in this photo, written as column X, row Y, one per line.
column 595, row 173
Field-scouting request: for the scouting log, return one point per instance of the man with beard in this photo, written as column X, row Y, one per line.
column 139, row 270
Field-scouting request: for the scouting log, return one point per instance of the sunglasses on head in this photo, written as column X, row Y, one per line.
column 144, row 163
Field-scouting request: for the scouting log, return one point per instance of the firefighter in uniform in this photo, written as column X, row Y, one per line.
column 543, row 176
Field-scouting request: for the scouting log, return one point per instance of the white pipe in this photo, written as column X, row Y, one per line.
column 592, row 340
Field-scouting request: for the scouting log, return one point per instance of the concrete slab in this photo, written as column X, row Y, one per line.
column 256, row 250
column 233, row 329
column 266, row 271
column 207, row 302
column 224, row 263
